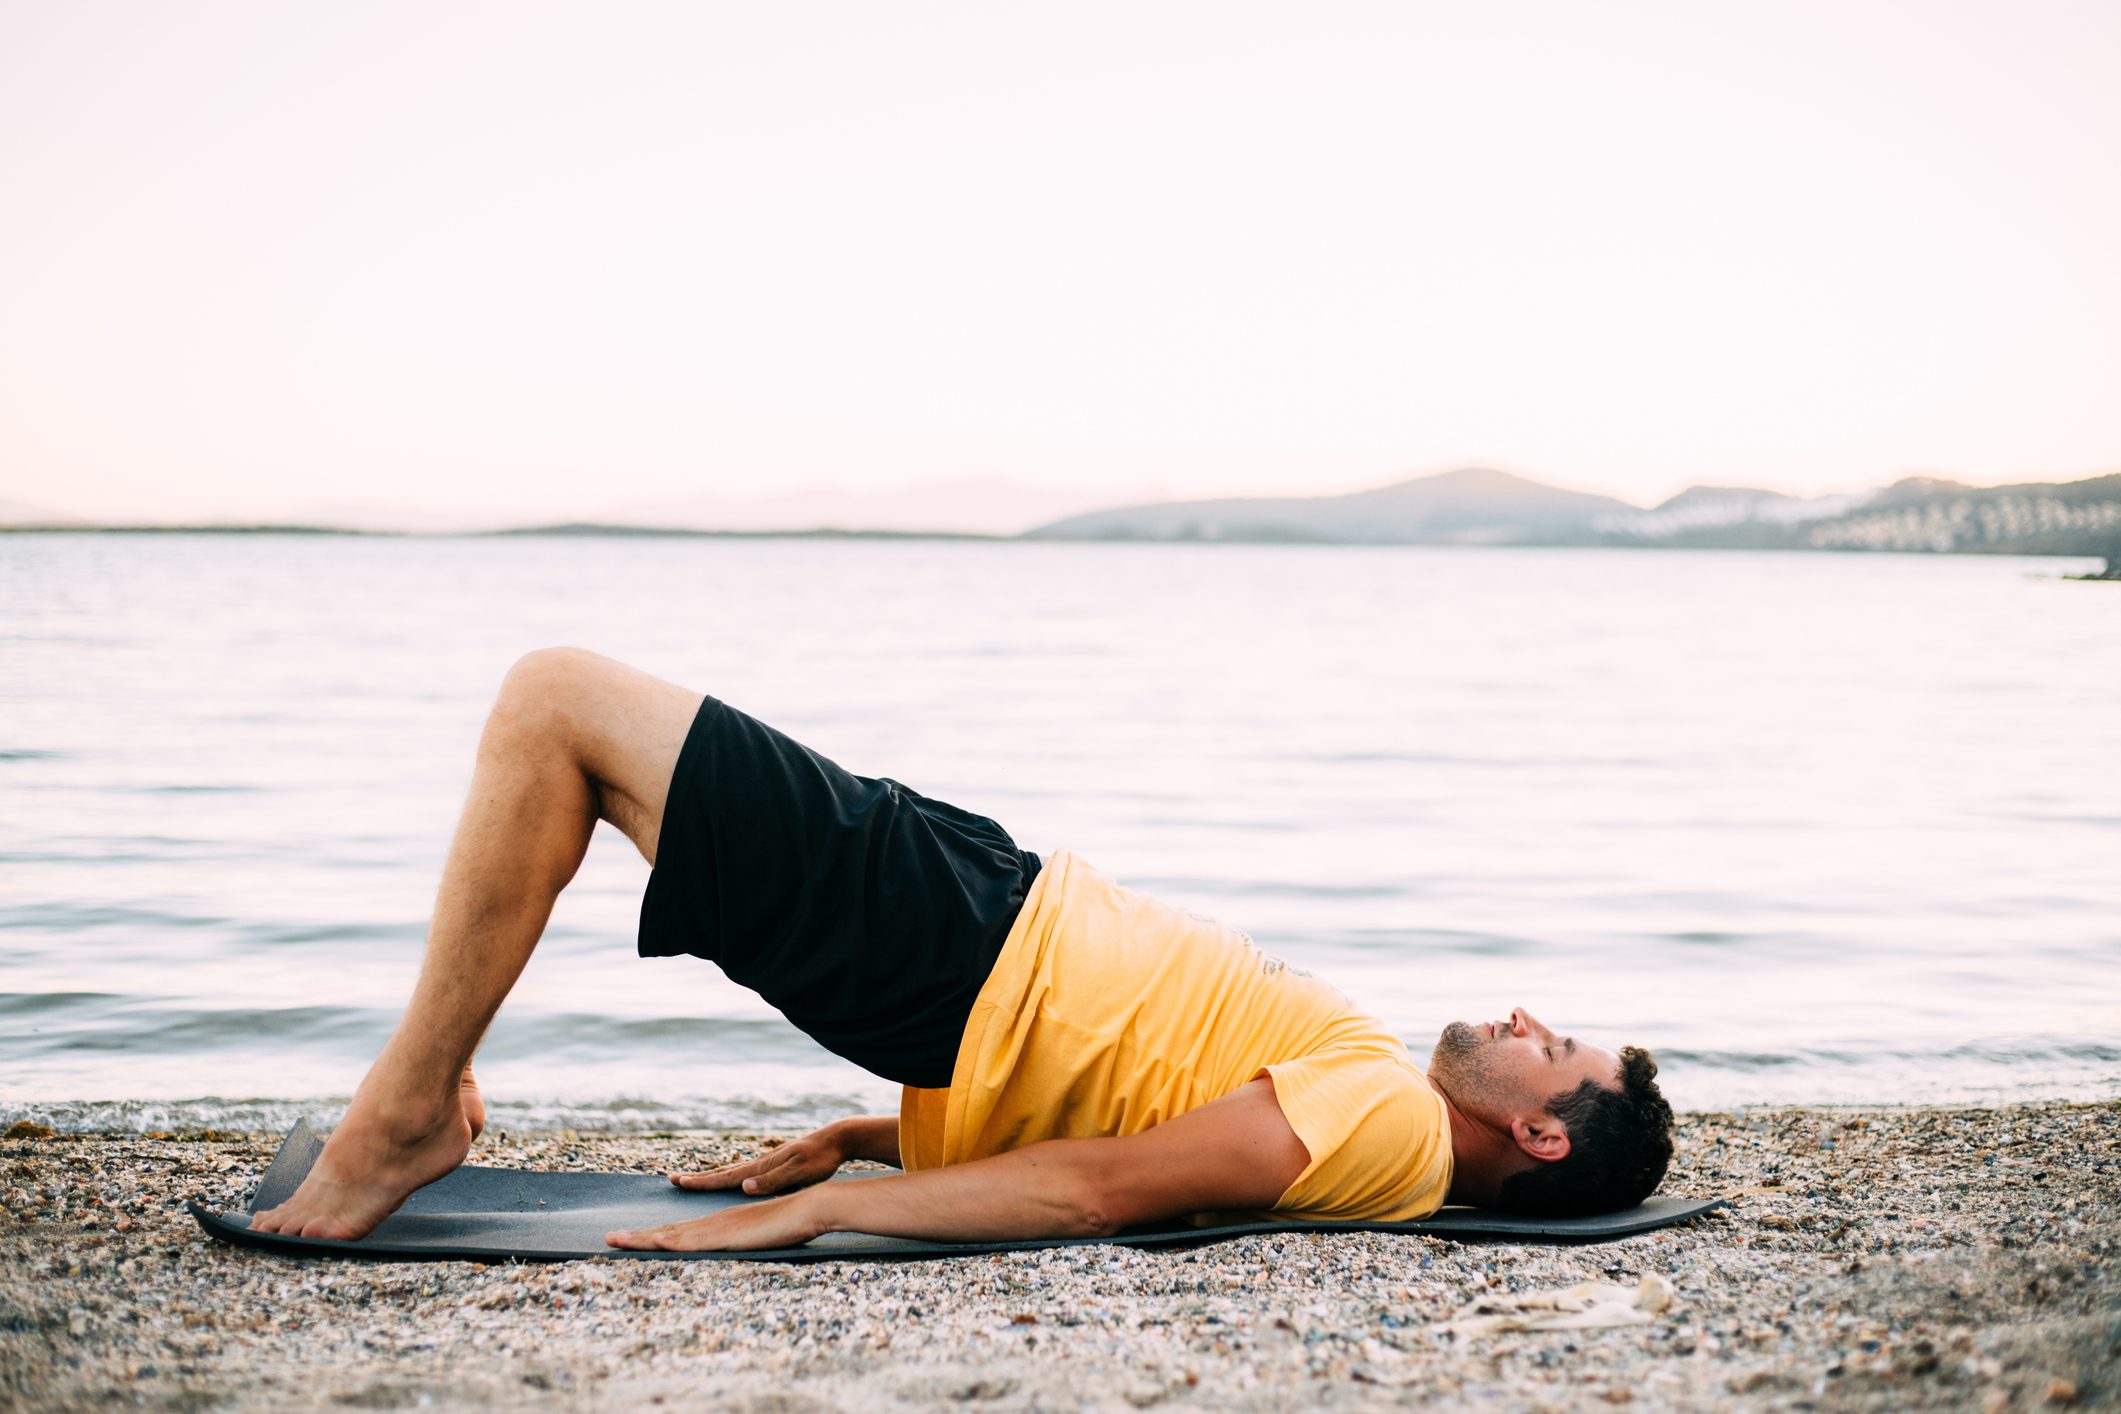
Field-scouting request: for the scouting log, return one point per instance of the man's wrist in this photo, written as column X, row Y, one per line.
column 816, row 1207
column 866, row 1137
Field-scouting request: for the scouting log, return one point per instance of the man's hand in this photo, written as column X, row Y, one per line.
column 1235, row 1154
column 800, row 1162
column 746, row 1227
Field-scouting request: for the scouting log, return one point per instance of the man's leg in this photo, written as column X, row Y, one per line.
column 573, row 738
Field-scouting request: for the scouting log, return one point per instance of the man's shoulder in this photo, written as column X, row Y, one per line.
column 1378, row 1134
column 1357, row 1075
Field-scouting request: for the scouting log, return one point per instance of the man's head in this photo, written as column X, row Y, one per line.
column 1593, row 1131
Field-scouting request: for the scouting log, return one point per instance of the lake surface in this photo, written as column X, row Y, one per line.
column 1811, row 827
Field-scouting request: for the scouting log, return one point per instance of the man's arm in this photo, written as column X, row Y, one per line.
column 1236, row 1153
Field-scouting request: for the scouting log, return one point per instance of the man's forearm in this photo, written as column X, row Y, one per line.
column 1236, row 1153
column 872, row 1137
column 1044, row 1190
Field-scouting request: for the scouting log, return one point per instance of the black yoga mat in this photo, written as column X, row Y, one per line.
column 497, row 1215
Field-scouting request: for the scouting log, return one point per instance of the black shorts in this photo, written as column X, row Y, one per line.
column 868, row 914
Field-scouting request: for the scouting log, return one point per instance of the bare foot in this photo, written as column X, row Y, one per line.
column 373, row 1162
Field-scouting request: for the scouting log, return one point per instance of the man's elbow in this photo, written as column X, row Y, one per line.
column 1109, row 1200
column 1094, row 1203
column 1093, row 1211
column 1104, row 1191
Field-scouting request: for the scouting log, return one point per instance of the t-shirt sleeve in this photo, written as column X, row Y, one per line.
column 1380, row 1147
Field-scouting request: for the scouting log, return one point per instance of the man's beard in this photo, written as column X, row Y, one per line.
column 1456, row 1063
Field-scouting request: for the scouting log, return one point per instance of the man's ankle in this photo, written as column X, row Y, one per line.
column 406, row 1117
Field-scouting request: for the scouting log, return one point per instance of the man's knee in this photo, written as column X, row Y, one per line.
column 548, row 670
column 546, row 693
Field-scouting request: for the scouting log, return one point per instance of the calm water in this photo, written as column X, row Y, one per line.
column 1813, row 828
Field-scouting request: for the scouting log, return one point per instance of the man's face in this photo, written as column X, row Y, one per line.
column 1495, row 1070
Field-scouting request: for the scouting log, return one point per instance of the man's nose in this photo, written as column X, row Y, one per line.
column 1526, row 1024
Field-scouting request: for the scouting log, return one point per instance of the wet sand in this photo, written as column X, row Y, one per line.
column 1874, row 1259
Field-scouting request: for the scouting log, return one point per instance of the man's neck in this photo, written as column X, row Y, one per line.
column 1482, row 1156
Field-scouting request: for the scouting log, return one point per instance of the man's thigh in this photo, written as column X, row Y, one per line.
column 623, row 726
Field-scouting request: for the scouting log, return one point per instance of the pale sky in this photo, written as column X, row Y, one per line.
column 547, row 260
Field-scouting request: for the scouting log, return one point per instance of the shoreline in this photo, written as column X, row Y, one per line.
column 1873, row 1258
column 527, row 1120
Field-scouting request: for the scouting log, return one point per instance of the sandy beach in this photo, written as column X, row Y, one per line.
column 1873, row 1259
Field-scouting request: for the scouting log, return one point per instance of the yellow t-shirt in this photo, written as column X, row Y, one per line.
column 1109, row 1012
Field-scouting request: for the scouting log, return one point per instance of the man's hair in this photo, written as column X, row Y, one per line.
column 1619, row 1144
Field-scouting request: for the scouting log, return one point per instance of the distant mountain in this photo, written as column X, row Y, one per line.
column 1469, row 507
column 1474, row 506
column 1721, row 495
column 1730, row 516
column 1916, row 513
column 1480, row 507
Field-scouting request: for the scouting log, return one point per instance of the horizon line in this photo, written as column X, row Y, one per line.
column 53, row 519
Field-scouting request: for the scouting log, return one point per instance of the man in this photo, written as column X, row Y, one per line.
column 1077, row 1058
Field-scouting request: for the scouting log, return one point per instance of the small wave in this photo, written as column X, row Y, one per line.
column 1997, row 1051
column 102, row 858
column 196, row 1031
column 617, row 1115
column 1377, row 758
column 198, row 790
column 42, row 1003
column 1208, row 825
column 302, row 934
column 2014, row 1052
column 1454, row 940
column 59, row 917
column 82, row 1023
column 1733, row 1060
column 1175, row 885
column 550, row 1037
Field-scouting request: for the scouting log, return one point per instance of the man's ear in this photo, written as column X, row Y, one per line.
column 1541, row 1136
